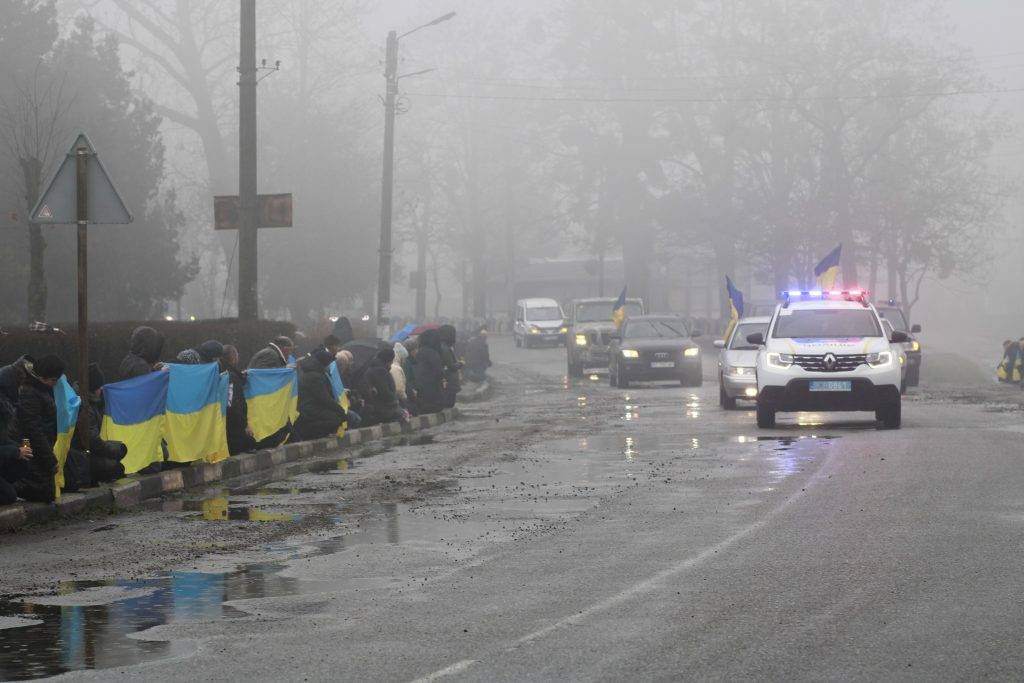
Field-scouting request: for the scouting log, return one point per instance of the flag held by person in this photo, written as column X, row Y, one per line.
column 272, row 397
column 196, row 423
column 135, row 416
column 338, row 389
column 67, row 403
column 619, row 310
column 827, row 269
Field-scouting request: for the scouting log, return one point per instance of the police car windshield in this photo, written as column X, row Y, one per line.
column 601, row 311
column 739, row 340
column 826, row 323
column 543, row 313
column 653, row 329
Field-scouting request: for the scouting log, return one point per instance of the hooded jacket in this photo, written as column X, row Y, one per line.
column 429, row 370
column 319, row 414
column 37, row 419
column 144, row 351
column 270, row 357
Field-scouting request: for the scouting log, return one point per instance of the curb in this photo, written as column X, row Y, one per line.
column 129, row 492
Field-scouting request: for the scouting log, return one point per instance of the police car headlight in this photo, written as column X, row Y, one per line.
column 581, row 340
column 878, row 360
column 630, row 353
column 740, row 371
column 691, row 352
column 779, row 360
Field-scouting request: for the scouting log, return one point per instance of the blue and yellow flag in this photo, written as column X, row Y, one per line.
column 735, row 306
column 68, row 404
column 338, row 389
column 619, row 310
column 135, row 417
column 196, row 425
column 828, row 269
column 272, row 396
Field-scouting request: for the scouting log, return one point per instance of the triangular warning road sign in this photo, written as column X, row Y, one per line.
column 58, row 204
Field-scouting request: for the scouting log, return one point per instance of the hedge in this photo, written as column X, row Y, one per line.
column 108, row 342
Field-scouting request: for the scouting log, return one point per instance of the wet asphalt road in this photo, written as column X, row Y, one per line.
column 580, row 532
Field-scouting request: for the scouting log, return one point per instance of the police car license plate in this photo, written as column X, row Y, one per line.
column 663, row 364
column 831, row 386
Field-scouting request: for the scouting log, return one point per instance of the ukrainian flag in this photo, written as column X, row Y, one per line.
column 272, row 396
column 135, row 417
column 338, row 389
column 619, row 310
column 196, row 426
column 735, row 306
column 828, row 269
column 68, row 403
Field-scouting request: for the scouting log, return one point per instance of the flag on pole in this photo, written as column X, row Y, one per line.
column 619, row 310
column 828, row 269
column 735, row 306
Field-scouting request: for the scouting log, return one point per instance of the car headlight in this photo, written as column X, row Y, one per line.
column 581, row 340
column 630, row 353
column 915, row 346
column 691, row 352
column 563, row 330
column 534, row 330
column 878, row 360
column 741, row 371
column 779, row 360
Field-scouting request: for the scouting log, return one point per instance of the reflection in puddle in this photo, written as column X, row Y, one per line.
column 73, row 633
column 219, row 509
column 632, row 412
column 630, row 450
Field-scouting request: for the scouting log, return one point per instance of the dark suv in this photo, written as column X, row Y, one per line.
column 652, row 348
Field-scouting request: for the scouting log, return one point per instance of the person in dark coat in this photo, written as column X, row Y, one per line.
column 319, row 414
column 275, row 355
column 104, row 456
column 143, row 354
column 429, row 373
column 412, row 345
column 380, row 392
column 478, row 356
column 239, row 435
column 14, row 457
column 452, row 364
column 37, row 420
column 13, row 376
column 343, row 331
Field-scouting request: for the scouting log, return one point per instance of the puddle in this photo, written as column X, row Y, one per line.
column 221, row 509
column 91, row 624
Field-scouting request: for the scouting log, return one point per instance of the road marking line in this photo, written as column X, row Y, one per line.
column 455, row 668
column 644, row 586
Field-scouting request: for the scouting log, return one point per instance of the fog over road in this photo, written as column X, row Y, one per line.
column 574, row 531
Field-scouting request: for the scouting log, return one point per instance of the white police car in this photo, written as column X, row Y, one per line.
column 827, row 351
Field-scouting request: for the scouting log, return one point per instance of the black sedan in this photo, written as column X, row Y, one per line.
column 652, row 348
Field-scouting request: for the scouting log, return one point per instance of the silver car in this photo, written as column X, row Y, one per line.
column 737, row 363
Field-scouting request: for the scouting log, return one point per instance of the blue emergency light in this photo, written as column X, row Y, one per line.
column 791, row 295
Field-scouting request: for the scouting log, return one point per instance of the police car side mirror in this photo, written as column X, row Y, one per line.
column 899, row 338
column 916, row 329
column 719, row 343
column 757, row 339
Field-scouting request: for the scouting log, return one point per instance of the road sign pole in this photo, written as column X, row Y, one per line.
column 82, row 212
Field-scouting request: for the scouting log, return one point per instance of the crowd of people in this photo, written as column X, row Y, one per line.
column 383, row 382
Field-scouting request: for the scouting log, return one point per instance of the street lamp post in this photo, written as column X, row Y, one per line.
column 388, row 179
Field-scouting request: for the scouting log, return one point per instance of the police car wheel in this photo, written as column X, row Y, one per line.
column 890, row 416
column 765, row 417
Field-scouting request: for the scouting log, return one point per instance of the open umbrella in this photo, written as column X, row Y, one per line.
column 363, row 351
column 423, row 328
column 403, row 333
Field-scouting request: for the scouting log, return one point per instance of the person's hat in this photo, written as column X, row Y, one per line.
column 210, row 350
column 49, row 367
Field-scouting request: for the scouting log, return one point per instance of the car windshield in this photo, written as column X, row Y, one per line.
column 601, row 311
column 896, row 317
column 739, row 339
column 654, row 329
column 544, row 313
column 826, row 323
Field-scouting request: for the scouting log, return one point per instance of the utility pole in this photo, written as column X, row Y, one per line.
column 387, row 189
column 248, row 299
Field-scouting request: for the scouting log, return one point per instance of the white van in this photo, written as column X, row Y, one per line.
column 539, row 321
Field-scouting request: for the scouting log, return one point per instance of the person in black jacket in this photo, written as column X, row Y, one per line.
column 478, row 356
column 429, row 371
column 14, row 458
column 239, row 435
column 37, row 420
column 381, row 395
column 452, row 364
column 319, row 414
column 143, row 354
column 104, row 456
column 13, row 376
